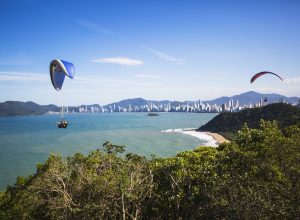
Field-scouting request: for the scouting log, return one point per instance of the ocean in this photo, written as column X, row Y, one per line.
column 28, row 140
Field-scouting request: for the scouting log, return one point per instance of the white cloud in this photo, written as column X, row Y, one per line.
column 164, row 56
column 119, row 60
column 22, row 76
column 147, row 76
column 97, row 28
column 295, row 80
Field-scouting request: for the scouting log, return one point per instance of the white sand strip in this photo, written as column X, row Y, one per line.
column 219, row 138
column 208, row 139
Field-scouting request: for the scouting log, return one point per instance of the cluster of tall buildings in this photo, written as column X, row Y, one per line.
column 197, row 107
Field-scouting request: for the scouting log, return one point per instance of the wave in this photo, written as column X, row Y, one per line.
column 177, row 130
column 207, row 139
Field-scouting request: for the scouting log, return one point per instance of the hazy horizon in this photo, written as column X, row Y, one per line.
column 159, row 100
column 158, row 50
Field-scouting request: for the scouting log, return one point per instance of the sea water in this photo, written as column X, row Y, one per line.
column 28, row 140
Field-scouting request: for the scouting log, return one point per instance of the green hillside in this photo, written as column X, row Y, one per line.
column 12, row 108
column 255, row 177
column 230, row 122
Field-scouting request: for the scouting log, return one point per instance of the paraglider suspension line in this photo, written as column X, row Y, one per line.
column 62, row 113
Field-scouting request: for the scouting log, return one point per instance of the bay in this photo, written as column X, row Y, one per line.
column 28, row 140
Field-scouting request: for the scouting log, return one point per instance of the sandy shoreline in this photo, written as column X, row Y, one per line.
column 210, row 138
column 219, row 138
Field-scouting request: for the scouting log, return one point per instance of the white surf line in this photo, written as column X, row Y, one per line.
column 209, row 140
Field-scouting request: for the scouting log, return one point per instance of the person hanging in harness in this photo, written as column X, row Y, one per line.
column 62, row 124
column 58, row 70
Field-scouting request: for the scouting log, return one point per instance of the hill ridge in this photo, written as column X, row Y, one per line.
column 229, row 122
column 11, row 108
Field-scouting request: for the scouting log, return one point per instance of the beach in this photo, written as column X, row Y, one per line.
column 210, row 138
column 219, row 138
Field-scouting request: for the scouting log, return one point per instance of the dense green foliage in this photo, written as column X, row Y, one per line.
column 255, row 177
column 229, row 122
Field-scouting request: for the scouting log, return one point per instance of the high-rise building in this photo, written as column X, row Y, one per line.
column 261, row 103
column 224, row 107
column 231, row 103
column 237, row 104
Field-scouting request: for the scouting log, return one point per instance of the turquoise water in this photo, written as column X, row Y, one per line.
column 28, row 140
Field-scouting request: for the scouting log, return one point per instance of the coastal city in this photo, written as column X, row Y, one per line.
column 195, row 107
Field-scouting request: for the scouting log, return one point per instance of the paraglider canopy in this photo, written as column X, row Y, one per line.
column 58, row 70
column 257, row 75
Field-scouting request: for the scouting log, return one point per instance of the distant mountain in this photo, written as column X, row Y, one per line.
column 76, row 108
column 132, row 102
column 254, row 97
column 11, row 108
column 140, row 102
column 243, row 99
column 230, row 122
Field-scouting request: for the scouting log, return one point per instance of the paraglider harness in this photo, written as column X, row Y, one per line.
column 62, row 124
column 58, row 70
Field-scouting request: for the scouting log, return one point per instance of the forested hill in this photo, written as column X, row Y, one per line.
column 11, row 108
column 255, row 177
column 230, row 122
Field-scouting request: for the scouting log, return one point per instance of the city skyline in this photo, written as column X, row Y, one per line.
column 192, row 107
column 207, row 106
column 195, row 107
column 175, row 50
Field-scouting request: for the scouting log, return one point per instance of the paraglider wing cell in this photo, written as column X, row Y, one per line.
column 69, row 69
column 257, row 75
column 57, row 77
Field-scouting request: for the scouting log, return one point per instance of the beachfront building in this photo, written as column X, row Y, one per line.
column 197, row 107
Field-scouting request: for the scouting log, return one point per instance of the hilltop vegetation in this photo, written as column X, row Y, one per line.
column 228, row 123
column 254, row 177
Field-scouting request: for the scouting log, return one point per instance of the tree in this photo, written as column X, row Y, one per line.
column 254, row 177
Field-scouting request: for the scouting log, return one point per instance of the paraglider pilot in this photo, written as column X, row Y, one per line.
column 58, row 70
column 62, row 124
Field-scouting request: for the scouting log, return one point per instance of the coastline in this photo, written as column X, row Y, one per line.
column 219, row 138
column 210, row 138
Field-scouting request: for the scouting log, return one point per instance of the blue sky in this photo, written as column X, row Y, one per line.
column 155, row 49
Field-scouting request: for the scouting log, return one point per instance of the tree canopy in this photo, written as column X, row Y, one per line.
column 228, row 123
column 254, row 177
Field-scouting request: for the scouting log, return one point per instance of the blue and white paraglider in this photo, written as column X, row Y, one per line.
column 58, row 70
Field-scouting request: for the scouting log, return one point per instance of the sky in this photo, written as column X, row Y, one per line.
column 154, row 49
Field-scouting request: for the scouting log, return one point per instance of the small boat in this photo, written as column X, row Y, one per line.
column 153, row 114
